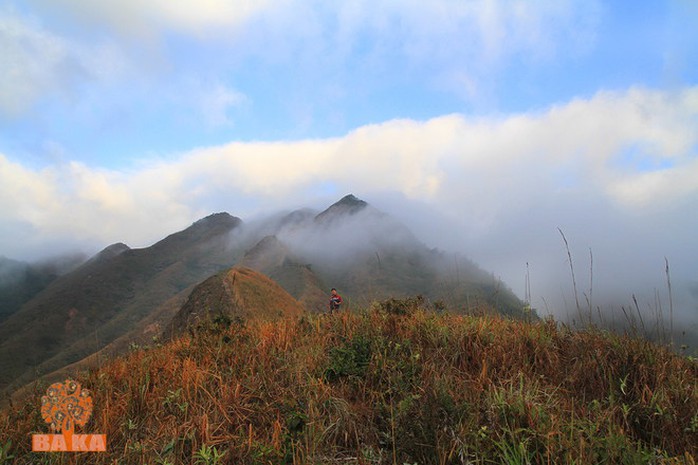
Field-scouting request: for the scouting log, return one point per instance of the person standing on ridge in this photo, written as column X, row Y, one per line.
column 335, row 300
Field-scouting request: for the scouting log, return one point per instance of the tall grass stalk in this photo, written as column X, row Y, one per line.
column 591, row 281
column 671, row 302
column 574, row 280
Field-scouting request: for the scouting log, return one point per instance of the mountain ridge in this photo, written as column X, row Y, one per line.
column 86, row 309
column 365, row 253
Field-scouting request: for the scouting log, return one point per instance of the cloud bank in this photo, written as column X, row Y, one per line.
column 617, row 172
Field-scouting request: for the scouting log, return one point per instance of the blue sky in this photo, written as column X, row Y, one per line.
column 110, row 91
column 125, row 121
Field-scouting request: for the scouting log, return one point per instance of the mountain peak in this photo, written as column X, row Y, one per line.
column 113, row 250
column 268, row 246
column 350, row 200
column 347, row 205
column 215, row 225
column 221, row 218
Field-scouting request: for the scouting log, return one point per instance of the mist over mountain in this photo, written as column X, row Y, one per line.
column 123, row 294
column 368, row 255
column 20, row 281
column 628, row 248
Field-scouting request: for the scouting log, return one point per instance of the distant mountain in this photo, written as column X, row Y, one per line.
column 20, row 281
column 369, row 255
column 88, row 308
column 123, row 296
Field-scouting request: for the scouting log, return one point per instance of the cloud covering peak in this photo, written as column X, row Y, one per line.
column 633, row 152
column 484, row 124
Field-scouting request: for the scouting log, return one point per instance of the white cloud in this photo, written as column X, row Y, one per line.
column 454, row 45
column 37, row 63
column 466, row 37
column 29, row 59
column 658, row 188
column 27, row 195
column 133, row 17
column 477, row 37
column 215, row 104
column 477, row 169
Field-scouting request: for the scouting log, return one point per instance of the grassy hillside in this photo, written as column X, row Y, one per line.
column 239, row 294
column 396, row 383
column 82, row 311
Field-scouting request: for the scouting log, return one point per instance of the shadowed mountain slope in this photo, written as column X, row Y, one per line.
column 20, row 282
column 86, row 309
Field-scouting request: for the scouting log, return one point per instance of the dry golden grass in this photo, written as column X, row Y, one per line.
column 393, row 384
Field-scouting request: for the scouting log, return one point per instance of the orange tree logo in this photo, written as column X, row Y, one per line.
column 65, row 406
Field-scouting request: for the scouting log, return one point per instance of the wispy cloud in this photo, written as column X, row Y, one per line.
column 37, row 63
column 132, row 17
column 31, row 60
column 450, row 43
column 216, row 103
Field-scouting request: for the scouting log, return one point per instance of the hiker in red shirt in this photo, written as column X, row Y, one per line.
column 335, row 300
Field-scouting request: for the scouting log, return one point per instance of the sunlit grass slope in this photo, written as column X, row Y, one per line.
column 396, row 383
